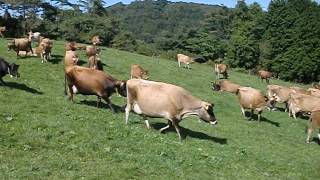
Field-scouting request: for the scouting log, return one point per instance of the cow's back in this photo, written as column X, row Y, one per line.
column 251, row 98
column 306, row 103
column 90, row 81
column 228, row 86
column 158, row 99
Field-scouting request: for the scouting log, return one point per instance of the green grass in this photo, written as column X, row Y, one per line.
column 44, row 136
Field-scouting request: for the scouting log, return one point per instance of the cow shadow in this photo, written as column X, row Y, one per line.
column 194, row 134
column 102, row 105
column 22, row 87
column 255, row 117
column 56, row 59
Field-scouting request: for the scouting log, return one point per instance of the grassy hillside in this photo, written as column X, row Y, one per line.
column 44, row 136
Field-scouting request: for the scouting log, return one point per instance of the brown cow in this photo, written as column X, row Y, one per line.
column 264, row 75
column 2, row 30
column 186, row 60
column 279, row 94
column 20, row 44
column 138, row 72
column 225, row 85
column 314, row 92
column 95, row 63
column 72, row 46
column 314, row 122
column 302, row 103
column 88, row 81
column 157, row 99
column 92, row 51
column 96, row 40
column 44, row 48
column 221, row 69
column 253, row 99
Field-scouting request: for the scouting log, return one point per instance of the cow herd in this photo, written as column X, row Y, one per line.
column 158, row 99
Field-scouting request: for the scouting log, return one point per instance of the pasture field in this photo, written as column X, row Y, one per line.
column 45, row 136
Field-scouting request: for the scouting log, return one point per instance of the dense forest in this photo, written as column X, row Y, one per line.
column 284, row 39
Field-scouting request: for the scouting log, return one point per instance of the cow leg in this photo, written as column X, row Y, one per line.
column 128, row 109
column 309, row 134
column 251, row 115
column 242, row 111
column 267, row 80
column 109, row 104
column 71, row 93
column 98, row 101
column 179, row 63
column 166, row 127
column 146, row 121
column 259, row 115
column 176, row 126
column 286, row 107
column 319, row 135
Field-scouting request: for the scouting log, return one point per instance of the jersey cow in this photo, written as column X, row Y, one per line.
column 157, row 99
column 88, row 81
column 138, row 72
column 314, row 122
column 253, row 99
column 302, row 103
column 264, row 75
column 186, row 60
column 221, row 69
column 226, row 85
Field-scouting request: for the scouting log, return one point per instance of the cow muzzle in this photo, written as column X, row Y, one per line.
column 213, row 122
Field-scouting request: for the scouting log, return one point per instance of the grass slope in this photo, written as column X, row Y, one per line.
column 44, row 136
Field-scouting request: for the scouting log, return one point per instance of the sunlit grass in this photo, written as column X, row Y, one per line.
column 43, row 135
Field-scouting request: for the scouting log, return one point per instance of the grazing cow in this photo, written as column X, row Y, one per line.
column 95, row 63
column 279, row 94
column 2, row 30
column 314, row 92
column 6, row 68
column 302, row 103
column 225, row 85
column 221, row 69
column 186, row 60
column 20, row 44
column 314, row 122
column 253, row 99
column 92, row 51
column 157, row 99
column 264, row 75
column 96, row 40
column 300, row 90
column 138, row 72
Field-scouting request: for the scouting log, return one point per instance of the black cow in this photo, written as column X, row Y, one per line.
column 6, row 68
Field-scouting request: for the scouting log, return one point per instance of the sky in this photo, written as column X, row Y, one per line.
column 229, row 3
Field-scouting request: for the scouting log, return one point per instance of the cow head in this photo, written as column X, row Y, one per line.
column 206, row 113
column 13, row 70
column 121, row 88
column 216, row 86
column 145, row 74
